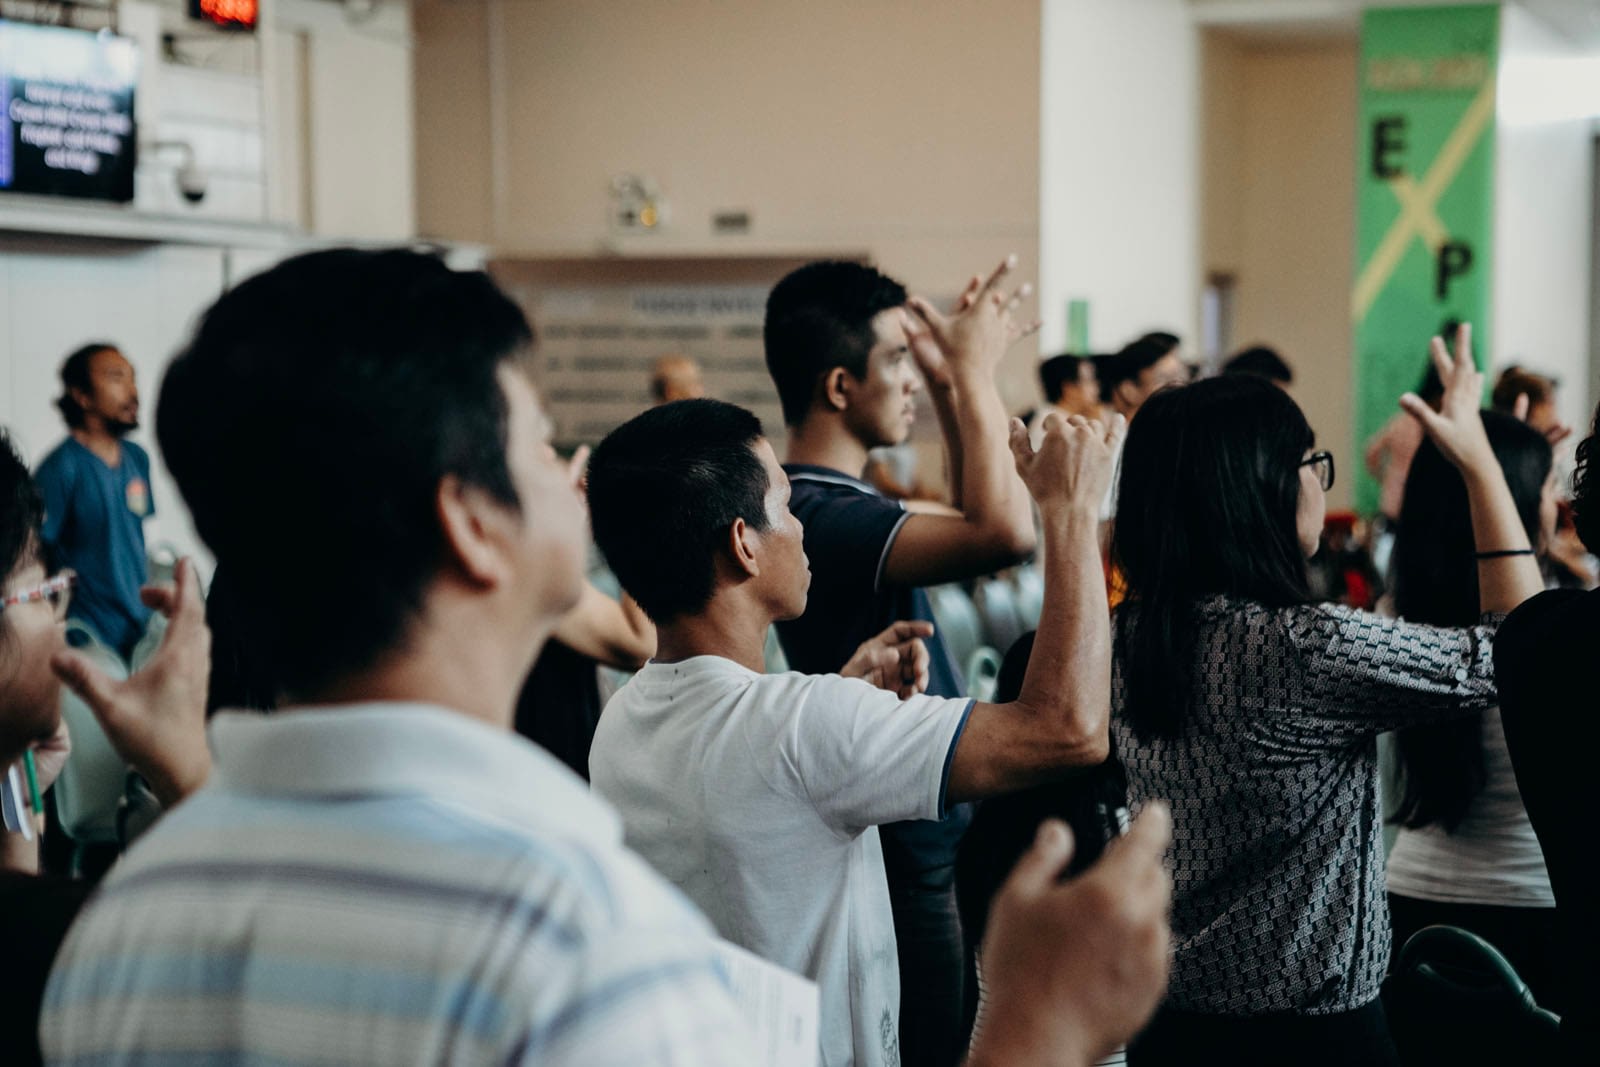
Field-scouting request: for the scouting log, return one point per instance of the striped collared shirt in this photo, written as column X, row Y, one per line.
column 387, row 884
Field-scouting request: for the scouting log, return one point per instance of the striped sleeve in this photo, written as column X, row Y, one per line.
column 642, row 998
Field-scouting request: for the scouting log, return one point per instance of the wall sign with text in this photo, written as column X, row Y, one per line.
column 1425, row 198
column 67, row 126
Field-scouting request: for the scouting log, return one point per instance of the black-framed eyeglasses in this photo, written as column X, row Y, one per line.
column 57, row 590
column 1323, row 462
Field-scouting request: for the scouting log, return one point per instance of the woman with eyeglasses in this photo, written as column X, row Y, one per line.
column 155, row 720
column 1257, row 711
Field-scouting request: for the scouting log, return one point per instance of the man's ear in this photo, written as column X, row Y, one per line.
column 475, row 528
column 742, row 547
column 836, row 389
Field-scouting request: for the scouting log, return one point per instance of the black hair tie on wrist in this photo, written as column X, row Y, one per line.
column 1501, row 553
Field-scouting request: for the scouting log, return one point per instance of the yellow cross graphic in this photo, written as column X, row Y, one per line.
column 1418, row 216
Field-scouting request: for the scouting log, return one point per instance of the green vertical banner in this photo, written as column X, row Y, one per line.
column 1078, row 327
column 1424, row 199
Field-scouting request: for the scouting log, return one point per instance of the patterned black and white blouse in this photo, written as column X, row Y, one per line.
column 1277, row 854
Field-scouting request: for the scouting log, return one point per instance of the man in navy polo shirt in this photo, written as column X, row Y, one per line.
column 844, row 344
column 96, row 490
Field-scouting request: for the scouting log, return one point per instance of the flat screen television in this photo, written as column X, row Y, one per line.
column 68, row 126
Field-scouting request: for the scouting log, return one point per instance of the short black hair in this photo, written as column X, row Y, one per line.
column 1263, row 362
column 75, row 375
column 1167, row 340
column 1134, row 359
column 664, row 489
column 21, row 511
column 1058, row 372
column 820, row 317
column 309, row 423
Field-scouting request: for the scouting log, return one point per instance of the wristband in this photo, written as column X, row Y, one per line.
column 1501, row 553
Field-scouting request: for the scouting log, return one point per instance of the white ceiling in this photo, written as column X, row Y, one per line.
column 1578, row 20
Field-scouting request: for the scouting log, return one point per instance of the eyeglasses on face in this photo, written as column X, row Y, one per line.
column 1323, row 462
column 57, row 590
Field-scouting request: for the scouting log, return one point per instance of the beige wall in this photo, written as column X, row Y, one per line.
column 1279, row 212
column 900, row 130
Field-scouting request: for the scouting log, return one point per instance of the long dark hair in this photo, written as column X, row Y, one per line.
column 1441, row 767
column 1207, row 499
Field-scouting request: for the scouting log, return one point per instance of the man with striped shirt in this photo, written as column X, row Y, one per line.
column 382, row 872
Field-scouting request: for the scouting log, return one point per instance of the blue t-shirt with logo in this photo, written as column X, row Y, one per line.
column 94, row 523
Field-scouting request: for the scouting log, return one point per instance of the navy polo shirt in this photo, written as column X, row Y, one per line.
column 849, row 529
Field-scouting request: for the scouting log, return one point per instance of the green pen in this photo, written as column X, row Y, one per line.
column 33, row 782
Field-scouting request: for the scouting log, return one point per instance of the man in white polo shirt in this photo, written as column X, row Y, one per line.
column 760, row 795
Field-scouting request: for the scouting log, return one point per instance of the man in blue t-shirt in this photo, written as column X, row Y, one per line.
column 96, row 490
column 844, row 344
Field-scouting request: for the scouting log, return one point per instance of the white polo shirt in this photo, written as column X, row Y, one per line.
column 759, row 795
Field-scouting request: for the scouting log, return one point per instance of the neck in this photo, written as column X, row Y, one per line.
column 730, row 626
column 453, row 664
column 97, row 439
column 822, row 441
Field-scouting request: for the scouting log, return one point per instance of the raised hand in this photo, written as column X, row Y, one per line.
column 1457, row 427
column 895, row 659
column 1074, row 969
column 1073, row 464
column 975, row 333
column 156, row 719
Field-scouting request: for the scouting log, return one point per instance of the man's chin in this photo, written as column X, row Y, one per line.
column 119, row 428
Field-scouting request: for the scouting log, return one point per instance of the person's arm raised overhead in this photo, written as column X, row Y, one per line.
column 992, row 523
column 1074, row 969
column 156, row 720
column 1508, row 570
column 1060, row 719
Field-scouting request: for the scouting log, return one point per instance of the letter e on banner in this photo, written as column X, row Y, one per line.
column 1388, row 139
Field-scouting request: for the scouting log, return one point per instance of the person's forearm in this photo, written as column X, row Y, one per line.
column 17, row 854
column 944, row 408
column 1028, row 1039
column 1503, row 581
column 643, row 631
column 986, row 490
column 1069, row 672
column 617, row 634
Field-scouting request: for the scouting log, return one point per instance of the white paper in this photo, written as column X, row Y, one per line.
column 782, row 1008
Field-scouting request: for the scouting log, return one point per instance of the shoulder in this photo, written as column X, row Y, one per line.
column 60, row 462
column 816, row 487
column 137, row 453
column 1545, row 626
column 1304, row 628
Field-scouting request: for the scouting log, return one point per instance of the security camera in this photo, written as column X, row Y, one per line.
column 192, row 179
column 192, row 182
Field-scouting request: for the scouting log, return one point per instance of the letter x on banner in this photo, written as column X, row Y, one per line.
column 1425, row 199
